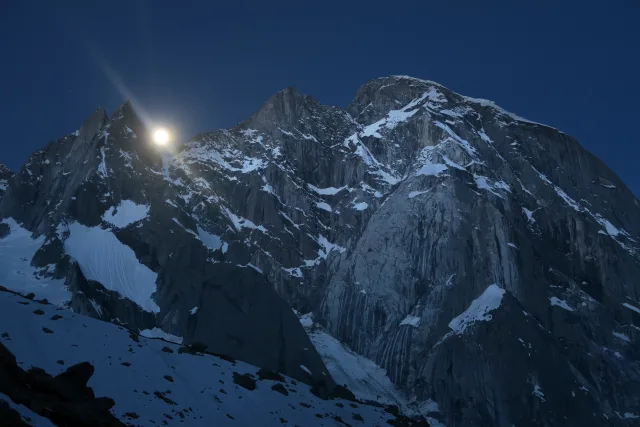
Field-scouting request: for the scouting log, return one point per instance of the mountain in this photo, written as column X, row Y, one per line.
column 485, row 263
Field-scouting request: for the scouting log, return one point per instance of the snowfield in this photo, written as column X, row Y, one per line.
column 152, row 381
column 16, row 273
column 103, row 258
column 362, row 376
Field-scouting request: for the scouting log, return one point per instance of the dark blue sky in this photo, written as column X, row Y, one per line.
column 199, row 66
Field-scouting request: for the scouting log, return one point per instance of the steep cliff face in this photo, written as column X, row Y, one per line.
column 486, row 262
column 488, row 198
column 394, row 218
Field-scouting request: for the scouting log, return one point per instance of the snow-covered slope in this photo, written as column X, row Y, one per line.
column 153, row 382
column 17, row 249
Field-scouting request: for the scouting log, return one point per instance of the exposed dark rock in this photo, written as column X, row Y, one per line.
column 266, row 374
column 64, row 399
column 244, row 380
column 10, row 417
column 163, row 397
column 280, row 389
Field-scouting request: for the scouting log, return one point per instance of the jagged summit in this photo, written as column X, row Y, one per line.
column 126, row 111
column 284, row 108
column 92, row 124
column 400, row 87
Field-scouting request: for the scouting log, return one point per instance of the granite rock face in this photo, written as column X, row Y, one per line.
column 488, row 263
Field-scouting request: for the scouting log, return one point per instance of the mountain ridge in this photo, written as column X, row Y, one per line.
column 394, row 221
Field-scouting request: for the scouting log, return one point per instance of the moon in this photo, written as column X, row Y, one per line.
column 160, row 136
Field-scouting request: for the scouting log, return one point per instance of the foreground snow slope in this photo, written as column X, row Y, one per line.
column 152, row 383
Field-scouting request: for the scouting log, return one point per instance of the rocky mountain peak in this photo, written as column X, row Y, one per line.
column 92, row 124
column 377, row 97
column 283, row 109
column 126, row 134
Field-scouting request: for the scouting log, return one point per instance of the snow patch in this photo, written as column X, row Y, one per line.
column 417, row 193
column 103, row 258
column 479, row 310
column 483, row 183
column 621, row 336
column 560, row 303
column 360, row 206
column 411, row 321
column 96, row 307
column 159, row 333
column 16, row 273
column 126, row 213
column 329, row 191
column 304, row 368
column 211, row 241
column 394, row 118
column 529, row 215
column 375, row 167
column 295, row 271
column 324, row 206
column 631, row 307
column 102, row 167
column 362, row 376
column 239, row 223
column 537, row 391
column 452, row 164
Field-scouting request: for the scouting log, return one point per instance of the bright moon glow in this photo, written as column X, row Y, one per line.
column 160, row 136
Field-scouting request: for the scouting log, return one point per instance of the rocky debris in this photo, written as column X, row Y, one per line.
column 266, row 374
column 280, row 389
column 64, row 399
column 244, row 380
column 162, row 396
